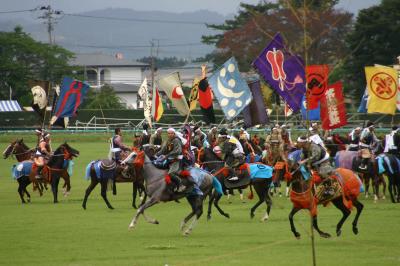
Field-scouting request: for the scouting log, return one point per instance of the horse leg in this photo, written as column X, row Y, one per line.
column 210, row 202
column 241, row 195
column 103, row 184
column 320, row 232
column 67, row 184
column 366, row 182
column 382, row 178
column 141, row 209
column 391, row 185
column 21, row 189
column 346, row 212
column 260, row 190
column 197, row 208
column 191, row 200
column 54, row 187
column 142, row 189
column 217, row 198
column 375, row 187
column 92, row 185
column 359, row 206
column 292, row 227
column 268, row 200
column 26, row 191
column 134, row 193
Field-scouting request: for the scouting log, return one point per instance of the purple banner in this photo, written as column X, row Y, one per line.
column 255, row 113
column 283, row 71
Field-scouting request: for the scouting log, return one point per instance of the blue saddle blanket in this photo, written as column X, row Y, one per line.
column 21, row 169
column 260, row 171
column 198, row 176
column 100, row 172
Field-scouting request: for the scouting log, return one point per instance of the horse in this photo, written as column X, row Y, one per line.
column 157, row 191
column 104, row 171
column 24, row 174
column 352, row 160
column 390, row 165
column 335, row 143
column 303, row 195
column 211, row 162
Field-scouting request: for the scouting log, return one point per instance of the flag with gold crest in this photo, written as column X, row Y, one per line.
column 382, row 83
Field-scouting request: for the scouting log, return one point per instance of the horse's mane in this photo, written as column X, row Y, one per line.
column 23, row 145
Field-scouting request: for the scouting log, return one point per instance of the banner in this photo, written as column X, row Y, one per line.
column 194, row 94
column 313, row 114
column 255, row 113
column 283, row 71
column 267, row 94
column 333, row 110
column 206, row 101
column 171, row 85
column 317, row 82
column 40, row 96
column 382, row 83
column 144, row 95
column 230, row 89
column 71, row 96
column 157, row 108
column 364, row 101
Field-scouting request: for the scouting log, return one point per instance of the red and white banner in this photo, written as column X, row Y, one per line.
column 317, row 82
column 333, row 110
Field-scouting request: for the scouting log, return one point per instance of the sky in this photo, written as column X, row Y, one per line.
column 224, row 7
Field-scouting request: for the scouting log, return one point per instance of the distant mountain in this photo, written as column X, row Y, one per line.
column 75, row 33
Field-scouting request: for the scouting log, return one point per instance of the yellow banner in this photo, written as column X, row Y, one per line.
column 194, row 94
column 382, row 85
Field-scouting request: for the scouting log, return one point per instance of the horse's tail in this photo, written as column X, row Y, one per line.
column 87, row 172
column 217, row 185
column 251, row 194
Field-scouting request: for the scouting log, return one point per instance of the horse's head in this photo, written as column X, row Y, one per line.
column 68, row 151
column 10, row 149
column 294, row 168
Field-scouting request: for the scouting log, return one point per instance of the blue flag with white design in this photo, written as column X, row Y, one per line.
column 313, row 114
column 363, row 104
column 230, row 89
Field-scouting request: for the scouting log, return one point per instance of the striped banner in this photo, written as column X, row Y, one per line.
column 9, row 106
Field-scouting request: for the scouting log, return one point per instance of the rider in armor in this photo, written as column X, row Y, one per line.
column 212, row 136
column 172, row 150
column 200, row 139
column 393, row 141
column 354, row 139
column 285, row 134
column 315, row 137
column 43, row 149
column 273, row 147
column 156, row 138
column 117, row 146
column 315, row 156
column 232, row 151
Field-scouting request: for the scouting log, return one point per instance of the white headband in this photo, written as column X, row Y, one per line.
column 171, row 130
column 301, row 140
column 159, row 129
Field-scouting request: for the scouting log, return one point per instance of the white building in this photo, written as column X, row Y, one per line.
column 125, row 76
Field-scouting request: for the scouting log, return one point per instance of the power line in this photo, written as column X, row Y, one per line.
column 18, row 11
column 132, row 46
column 139, row 19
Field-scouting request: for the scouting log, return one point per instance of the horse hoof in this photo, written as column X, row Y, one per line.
column 29, row 200
column 338, row 232
column 187, row 232
column 251, row 215
column 84, row 207
column 208, row 217
column 111, row 207
column 56, row 201
column 23, row 202
column 297, row 235
column 227, row 215
column 131, row 227
column 383, row 197
column 325, row 235
column 355, row 230
column 156, row 222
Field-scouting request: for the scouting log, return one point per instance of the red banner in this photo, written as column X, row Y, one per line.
column 333, row 110
column 317, row 82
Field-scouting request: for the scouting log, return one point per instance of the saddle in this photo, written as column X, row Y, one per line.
column 241, row 178
column 328, row 190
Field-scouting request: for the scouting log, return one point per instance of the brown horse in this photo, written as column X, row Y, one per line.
column 303, row 196
column 52, row 171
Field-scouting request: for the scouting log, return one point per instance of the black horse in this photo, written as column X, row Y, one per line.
column 211, row 162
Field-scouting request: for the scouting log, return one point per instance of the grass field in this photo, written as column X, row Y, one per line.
column 43, row 233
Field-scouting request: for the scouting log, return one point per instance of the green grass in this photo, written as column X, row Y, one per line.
column 43, row 233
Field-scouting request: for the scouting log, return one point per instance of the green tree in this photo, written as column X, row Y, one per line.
column 105, row 98
column 247, row 34
column 374, row 40
column 23, row 59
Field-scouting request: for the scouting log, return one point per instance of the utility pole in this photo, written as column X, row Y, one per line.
column 49, row 19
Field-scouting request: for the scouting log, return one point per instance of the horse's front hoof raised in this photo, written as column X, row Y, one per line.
column 355, row 230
